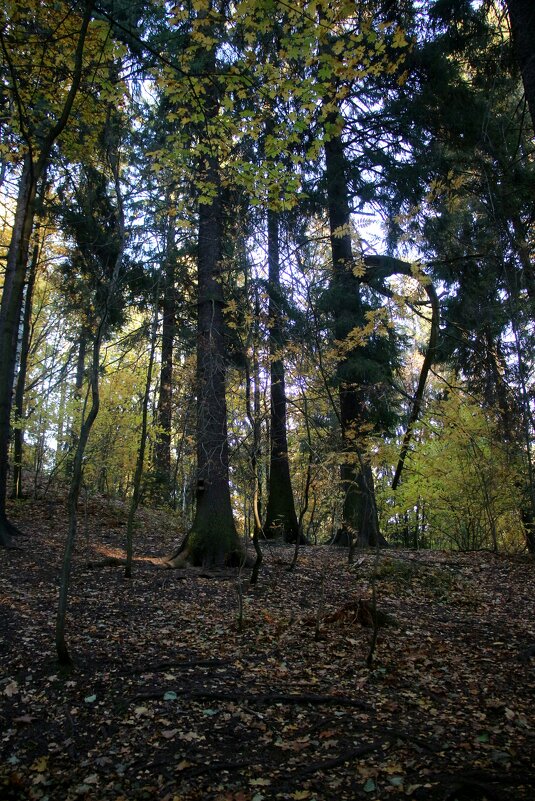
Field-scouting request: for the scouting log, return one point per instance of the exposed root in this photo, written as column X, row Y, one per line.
column 178, row 560
column 356, row 611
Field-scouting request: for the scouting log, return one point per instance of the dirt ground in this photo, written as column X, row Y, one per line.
column 196, row 686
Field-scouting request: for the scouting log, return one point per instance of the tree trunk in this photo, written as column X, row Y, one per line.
column 360, row 522
column 64, row 657
column 528, row 522
column 60, row 443
column 213, row 539
column 138, row 475
column 16, row 264
column 162, row 446
column 18, row 435
column 10, row 312
column 253, row 415
column 281, row 517
column 522, row 18
column 78, row 386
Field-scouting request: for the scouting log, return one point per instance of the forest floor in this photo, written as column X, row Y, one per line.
column 172, row 699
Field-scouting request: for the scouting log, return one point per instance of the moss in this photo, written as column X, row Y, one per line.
column 396, row 569
column 438, row 581
column 215, row 547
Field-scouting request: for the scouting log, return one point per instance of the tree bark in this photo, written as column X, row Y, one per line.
column 213, row 539
column 138, row 475
column 281, row 517
column 360, row 521
column 10, row 312
column 18, row 434
column 162, row 446
column 79, row 377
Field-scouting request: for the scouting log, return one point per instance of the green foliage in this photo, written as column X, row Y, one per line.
column 37, row 60
column 461, row 487
column 426, row 104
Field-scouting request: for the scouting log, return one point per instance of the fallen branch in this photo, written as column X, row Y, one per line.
column 118, row 561
column 247, row 698
column 107, row 561
column 216, row 767
column 198, row 768
column 347, row 756
column 180, row 664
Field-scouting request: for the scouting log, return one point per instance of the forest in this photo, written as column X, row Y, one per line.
column 267, row 492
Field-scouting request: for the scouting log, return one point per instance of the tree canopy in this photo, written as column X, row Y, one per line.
column 313, row 202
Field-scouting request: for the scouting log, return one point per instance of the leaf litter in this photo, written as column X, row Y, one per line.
column 172, row 700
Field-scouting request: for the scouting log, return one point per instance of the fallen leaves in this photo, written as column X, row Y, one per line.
column 169, row 733
column 40, row 765
column 11, row 689
column 23, row 719
column 171, row 702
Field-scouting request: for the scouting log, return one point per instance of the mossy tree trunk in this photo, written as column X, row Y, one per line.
column 25, row 337
column 281, row 517
column 18, row 434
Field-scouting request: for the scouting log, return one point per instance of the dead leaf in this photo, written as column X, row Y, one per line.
column 11, row 689
column 40, row 765
column 191, row 736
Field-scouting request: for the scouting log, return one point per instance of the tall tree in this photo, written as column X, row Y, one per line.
column 162, row 446
column 360, row 521
column 213, row 538
column 18, row 405
column 281, row 517
column 466, row 197
column 31, row 78
column 366, row 358
column 97, row 224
